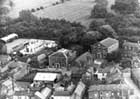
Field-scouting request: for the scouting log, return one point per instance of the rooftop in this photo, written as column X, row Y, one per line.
column 44, row 93
column 109, row 87
column 45, row 76
column 84, row 56
column 136, row 73
column 5, row 58
column 80, row 88
column 108, row 42
column 133, row 44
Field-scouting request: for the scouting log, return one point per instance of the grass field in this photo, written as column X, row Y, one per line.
column 28, row 5
column 74, row 10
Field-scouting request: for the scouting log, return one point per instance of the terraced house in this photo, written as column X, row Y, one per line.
column 110, row 91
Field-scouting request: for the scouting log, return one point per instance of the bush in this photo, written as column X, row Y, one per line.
column 107, row 31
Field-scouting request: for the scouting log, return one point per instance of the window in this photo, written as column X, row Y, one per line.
column 57, row 65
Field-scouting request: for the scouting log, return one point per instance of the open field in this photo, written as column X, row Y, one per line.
column 20, row 5
column 74, row 10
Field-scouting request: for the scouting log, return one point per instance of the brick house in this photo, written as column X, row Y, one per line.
column 110, row 91
column 85, row 59
column 130, row 50
column 104, row 47
column 61, row 58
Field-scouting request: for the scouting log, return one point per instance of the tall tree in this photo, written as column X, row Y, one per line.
column 125, row 6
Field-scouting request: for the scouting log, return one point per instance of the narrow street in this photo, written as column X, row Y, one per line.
column 131, row 84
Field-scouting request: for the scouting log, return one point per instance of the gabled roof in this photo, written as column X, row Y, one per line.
column 62, row 51
column 108, row 42
column 80, row 88
column 84, row 56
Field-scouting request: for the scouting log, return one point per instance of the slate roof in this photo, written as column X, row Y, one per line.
column 108, row 42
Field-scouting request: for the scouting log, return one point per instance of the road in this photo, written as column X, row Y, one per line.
column 131, row 84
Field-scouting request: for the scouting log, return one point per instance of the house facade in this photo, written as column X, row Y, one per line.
column 98, row 51
column 61, row 58
column 104, row 47
column 110, row 91
column 130, row 50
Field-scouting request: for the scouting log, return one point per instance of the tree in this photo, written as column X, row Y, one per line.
column 26, row 15
column 107, row 31
column 117, row 22
column 125, row 6
column 102, row 2
column 99, row 11
column 90, row 38
column 95, row 24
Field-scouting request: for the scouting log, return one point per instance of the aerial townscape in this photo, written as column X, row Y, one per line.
column 69, row 49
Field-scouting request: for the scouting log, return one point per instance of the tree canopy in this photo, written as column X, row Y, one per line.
column 125, row 6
